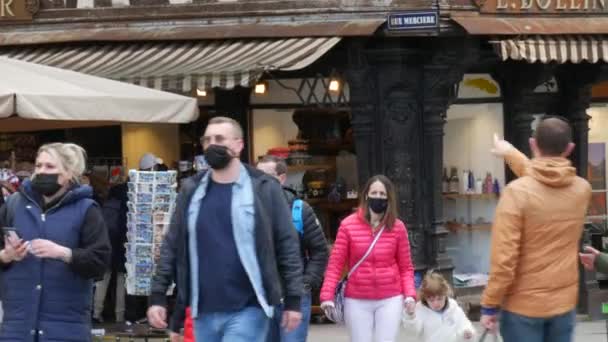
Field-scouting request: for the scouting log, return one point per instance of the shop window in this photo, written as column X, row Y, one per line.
column 322, row 166
column 471, row 177
column 596, row 175
column 596, row 168
column 318, row 148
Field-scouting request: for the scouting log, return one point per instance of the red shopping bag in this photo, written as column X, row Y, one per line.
column 188, row 327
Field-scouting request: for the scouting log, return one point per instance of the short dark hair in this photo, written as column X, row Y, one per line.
column 553, row 134
column 238, row 129
column 280, row 166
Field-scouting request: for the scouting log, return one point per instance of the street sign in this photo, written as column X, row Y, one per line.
column 605, row 308
column 413, row 20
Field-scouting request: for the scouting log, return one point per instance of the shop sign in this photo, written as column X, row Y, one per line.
column 542, row 6
column 413, row 21
column 18, row 10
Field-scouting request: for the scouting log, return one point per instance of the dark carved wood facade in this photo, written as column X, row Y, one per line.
column 399, row 99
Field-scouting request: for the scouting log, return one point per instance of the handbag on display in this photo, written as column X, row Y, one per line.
column 336, row 314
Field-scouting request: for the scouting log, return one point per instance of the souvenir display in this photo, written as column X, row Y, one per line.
column 151, row 203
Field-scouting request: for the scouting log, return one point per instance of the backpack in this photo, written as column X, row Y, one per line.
column 296, row 215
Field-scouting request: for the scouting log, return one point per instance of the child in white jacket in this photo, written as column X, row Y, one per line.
column 438, row 317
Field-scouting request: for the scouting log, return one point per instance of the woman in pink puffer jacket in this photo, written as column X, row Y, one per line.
column 383, row 285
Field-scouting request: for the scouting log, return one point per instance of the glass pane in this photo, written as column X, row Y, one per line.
column 596, row 170
column 597, row 207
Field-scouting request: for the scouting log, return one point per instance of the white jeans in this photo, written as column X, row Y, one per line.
column 101, row 287
column 373, row 320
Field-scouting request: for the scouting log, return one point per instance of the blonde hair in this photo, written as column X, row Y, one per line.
column 434, row 284
column 71, row 157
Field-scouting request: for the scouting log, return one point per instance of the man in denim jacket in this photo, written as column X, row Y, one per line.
column 231, row 247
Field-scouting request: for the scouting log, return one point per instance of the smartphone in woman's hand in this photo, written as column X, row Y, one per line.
column 11, row 233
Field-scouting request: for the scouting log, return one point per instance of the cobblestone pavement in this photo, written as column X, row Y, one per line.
column 585, row 332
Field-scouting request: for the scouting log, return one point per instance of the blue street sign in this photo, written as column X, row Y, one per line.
column 413, row 20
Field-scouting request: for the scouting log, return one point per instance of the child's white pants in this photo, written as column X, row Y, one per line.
column 373, row 320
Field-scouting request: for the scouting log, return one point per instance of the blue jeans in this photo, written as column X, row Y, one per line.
column 518, row 328
column 278, row 334
column 248, row 325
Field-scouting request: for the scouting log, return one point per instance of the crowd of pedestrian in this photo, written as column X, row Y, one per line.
column 246, row 255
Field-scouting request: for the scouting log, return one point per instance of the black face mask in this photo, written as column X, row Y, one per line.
column 46, row 184
column 377, row 205
column 218, row 157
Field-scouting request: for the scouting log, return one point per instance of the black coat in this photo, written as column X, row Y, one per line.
column 115, row 214
column 276, row 242
column 313, row 245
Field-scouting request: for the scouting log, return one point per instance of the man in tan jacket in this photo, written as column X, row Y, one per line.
column 535, row 240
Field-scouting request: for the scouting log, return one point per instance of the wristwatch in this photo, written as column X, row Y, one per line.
column 307, row 288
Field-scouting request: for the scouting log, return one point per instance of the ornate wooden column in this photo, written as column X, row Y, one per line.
column 387, row 124
column 362, row 103
column 399, row 101
column 440, row 78
column 234, row 103
column 400, row 136
column 517, row 83
column 573, row 98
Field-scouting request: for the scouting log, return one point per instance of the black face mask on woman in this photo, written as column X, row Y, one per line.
column 377, row 205
column 46, row 184
column 218, row 157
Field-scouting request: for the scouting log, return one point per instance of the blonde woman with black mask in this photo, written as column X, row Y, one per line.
column 57, row 245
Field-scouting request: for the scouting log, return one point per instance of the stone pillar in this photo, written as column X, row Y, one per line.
column 517, row 82
column 234, row 103
column 573, row 98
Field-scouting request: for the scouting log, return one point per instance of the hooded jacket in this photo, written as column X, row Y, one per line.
column 535, row 238
column 431, row 326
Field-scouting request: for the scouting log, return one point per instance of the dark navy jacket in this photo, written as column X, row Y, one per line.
column 48, row 299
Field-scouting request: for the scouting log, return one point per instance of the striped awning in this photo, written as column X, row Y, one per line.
column 181, row 66
column 560, row 49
